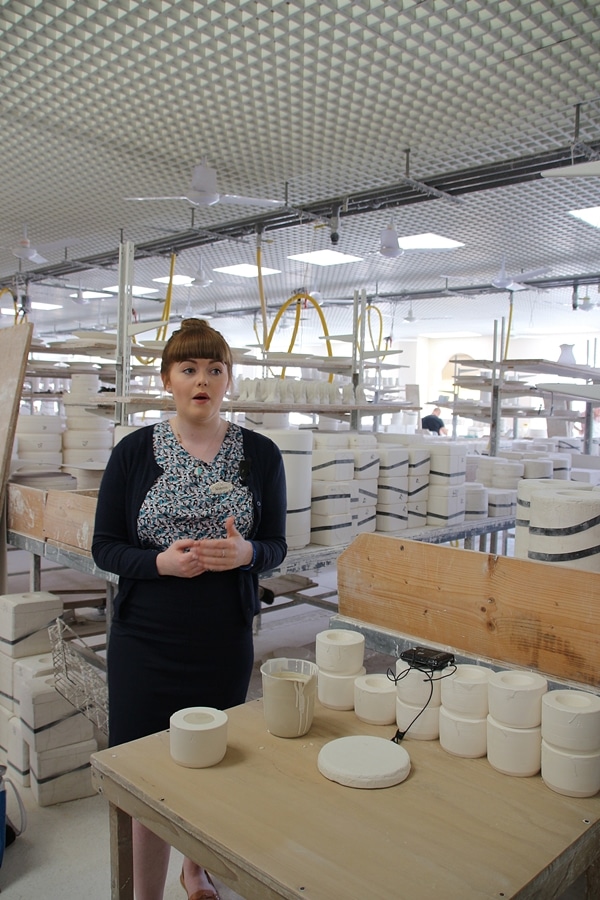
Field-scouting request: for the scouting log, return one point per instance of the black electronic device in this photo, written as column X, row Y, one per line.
column 425, row 658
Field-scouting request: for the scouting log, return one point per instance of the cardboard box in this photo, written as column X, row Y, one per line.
column 69, row 518
column 25, row 510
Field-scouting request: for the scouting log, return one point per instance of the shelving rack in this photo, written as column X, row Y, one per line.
column 120, row 350
column 499, row 387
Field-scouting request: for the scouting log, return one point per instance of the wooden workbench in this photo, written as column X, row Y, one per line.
column 269, row 825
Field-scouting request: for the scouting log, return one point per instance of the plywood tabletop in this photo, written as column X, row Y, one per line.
column 270, row 825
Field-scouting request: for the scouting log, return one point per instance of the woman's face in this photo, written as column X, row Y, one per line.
column 198, row 387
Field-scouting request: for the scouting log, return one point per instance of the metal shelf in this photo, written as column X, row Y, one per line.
column 311, row 558
column 499, row 387
column 535, row 367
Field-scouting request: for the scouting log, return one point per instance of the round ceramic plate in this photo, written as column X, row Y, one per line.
column 364, row 761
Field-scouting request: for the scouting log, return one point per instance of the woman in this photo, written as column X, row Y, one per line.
column 189, row 512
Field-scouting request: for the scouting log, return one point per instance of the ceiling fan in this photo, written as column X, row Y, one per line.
column 586, row 304
column 28, row 253
column 579, row 170
column 203, row 191
column 518, row 282
column 447, row 291
column 410, row 316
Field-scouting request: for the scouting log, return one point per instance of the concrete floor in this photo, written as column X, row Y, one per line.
column 64, row 853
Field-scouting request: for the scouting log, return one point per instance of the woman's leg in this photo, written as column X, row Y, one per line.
column 150, row 863
column 196, row 878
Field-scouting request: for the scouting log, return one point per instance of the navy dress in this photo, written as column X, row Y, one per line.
column 179, row 642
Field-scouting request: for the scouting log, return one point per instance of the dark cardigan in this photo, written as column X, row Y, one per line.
column 132, row 470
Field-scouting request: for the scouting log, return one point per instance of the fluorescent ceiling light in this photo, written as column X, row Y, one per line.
column 136, row 290
column 90, row 295
column 451, row 334
column 245, row 270
column 427, row 241
column 177, row 279
column 591, row 215
column 34, row 305
column 325, row 257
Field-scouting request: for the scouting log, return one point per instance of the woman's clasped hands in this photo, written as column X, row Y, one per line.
column 187, row 558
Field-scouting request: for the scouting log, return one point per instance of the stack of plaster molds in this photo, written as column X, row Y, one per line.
column 337, row 503
column 44, row 741
column 88, row 438
column 39, row 443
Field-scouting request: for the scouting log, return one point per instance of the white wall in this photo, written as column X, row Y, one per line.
column 429, row 366
column 428, row 358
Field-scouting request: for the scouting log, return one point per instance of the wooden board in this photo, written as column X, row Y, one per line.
column 26, row 510
column 14, row 349
column 530, row 614
column 454, row 829
column 69, row 518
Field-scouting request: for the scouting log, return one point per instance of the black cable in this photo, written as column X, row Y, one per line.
column 398, row 737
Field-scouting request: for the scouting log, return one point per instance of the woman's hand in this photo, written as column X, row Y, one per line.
column 221, row 554
column 180, row 559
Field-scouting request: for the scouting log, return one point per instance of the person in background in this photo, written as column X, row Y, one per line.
column 432, row 422
column 189, row 512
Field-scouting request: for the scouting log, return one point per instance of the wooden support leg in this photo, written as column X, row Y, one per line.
column 3, row 549
column 121, row 854
column 592, row 880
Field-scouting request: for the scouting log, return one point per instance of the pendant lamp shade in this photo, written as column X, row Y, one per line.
column 389, row 242
column 202, row 278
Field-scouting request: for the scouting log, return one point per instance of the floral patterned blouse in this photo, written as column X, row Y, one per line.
column 192, row 498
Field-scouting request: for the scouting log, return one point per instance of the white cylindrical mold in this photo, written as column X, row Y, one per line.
column 526, row 491
column 571, row 720
column 39, row 442
column 375, row 699
column 337, row 691
column 513, row 751
column 198, row 736
column 340, row 650
column 515, row 698
column 422, row 724
column 88, row 422
column 86, row 440
column 39, row 424
column 77, row 457
column 462, row 737
column 564, row 529
column 465, row 692
column 570, row 773
column 538, row 468
column 417, row 687
column 296, row 452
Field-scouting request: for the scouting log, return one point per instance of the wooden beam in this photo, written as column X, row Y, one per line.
column 517, row 612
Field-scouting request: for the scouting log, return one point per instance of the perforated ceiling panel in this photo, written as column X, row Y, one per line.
column 305, row 102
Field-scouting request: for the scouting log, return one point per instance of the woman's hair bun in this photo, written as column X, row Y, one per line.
column 193, row 323
column 196, row 339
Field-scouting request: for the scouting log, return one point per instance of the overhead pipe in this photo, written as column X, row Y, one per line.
column 479, row 178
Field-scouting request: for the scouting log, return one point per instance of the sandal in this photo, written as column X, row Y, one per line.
column 203, row 893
